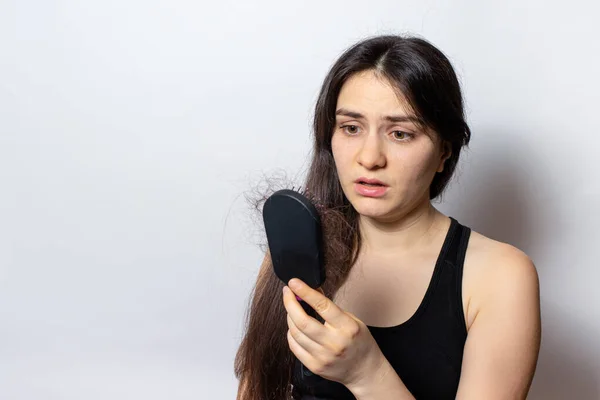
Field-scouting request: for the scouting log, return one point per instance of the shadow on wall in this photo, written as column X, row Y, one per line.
column 567, row 368
column 499, row 195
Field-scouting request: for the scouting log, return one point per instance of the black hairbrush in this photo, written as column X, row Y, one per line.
column 293, row 228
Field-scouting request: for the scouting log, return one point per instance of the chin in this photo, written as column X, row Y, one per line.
column 373, row 208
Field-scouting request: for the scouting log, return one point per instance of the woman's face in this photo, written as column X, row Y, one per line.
column 376, row 137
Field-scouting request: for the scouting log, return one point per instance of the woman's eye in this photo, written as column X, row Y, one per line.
column 400, row 135
column 351, row 129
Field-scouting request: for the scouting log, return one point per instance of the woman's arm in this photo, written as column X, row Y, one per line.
column 503, row 342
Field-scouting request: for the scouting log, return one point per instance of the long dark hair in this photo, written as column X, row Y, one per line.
column 425, row 77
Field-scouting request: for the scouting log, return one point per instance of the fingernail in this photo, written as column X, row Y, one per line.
column 298, row 298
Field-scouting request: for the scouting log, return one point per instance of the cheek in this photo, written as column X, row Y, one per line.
column 417, row 165
column 428, row 167
column 340, row 154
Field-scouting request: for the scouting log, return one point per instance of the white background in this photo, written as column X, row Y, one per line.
column 130, row 131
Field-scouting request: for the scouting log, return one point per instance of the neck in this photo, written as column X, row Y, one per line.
column 404, row 233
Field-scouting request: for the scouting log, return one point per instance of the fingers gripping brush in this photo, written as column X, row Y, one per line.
column 293, row 228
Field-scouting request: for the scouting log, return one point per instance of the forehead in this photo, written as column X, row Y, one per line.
column 372, row 93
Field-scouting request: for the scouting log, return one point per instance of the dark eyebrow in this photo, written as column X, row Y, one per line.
column 390, row 118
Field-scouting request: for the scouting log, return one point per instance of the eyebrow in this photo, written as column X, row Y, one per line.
column 390, row 118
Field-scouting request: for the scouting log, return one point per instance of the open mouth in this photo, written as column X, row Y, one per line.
column 370, row 187
column 371, row 184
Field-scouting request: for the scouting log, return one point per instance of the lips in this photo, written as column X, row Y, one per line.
column 370, row 182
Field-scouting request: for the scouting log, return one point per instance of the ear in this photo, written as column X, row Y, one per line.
column 446, row 153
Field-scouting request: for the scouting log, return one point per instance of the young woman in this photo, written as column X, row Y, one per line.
column 416, row 305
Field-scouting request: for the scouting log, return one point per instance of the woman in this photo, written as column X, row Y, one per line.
column 415, row 304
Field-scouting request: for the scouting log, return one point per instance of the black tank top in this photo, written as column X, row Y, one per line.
column 426, row 351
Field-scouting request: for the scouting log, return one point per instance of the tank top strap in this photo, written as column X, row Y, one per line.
column 450, row 292
column 457, row 248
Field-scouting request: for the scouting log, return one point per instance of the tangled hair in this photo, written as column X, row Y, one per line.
column 425, row 78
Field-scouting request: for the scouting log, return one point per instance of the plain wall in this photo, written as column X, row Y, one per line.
column 131, row 130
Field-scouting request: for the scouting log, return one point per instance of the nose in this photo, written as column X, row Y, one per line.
column 371, row 154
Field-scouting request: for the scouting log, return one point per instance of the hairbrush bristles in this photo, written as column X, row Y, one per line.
column 316, row 201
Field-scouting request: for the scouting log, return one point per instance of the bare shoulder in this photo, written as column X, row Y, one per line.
column 494, row 273
column 502, row 311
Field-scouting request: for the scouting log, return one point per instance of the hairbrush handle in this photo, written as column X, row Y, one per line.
column 310, row 311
